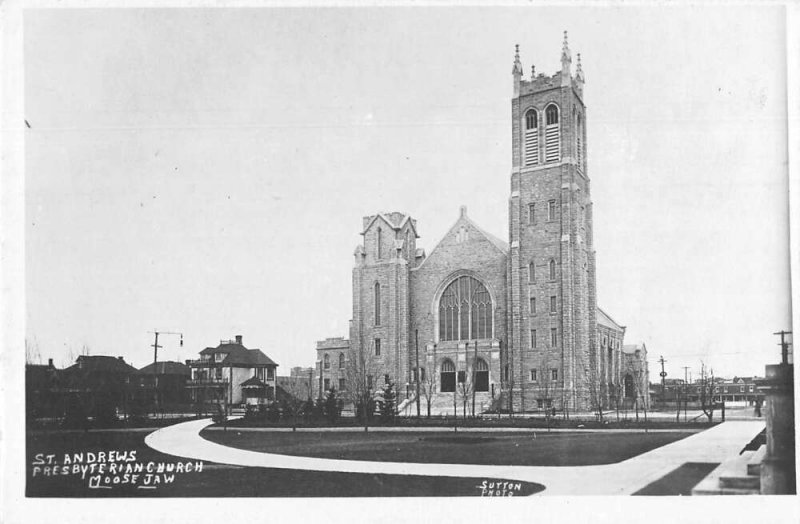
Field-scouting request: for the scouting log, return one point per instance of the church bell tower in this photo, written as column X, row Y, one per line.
column 551, row 350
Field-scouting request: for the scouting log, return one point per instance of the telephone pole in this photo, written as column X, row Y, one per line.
column 663, row 377
column 417, row 374
column 155, row 345
column 685, row 389
column 784, row 346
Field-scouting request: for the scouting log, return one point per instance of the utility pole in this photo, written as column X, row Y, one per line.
column 784, row 346
column 663, row 377
column 155, row 347
column 685, row 389
column 417, row 374
column 474, row 375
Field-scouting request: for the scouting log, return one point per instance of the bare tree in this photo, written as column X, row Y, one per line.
column 429, row 386
column 595, row 394
column 360, row 372
column 32, row 353
column 639, row 383
column 707, row 391
column 297, row 394
column 545, row 391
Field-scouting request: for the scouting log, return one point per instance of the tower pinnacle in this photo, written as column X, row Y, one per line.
column 566, row 62
column 517, row 64
column 517, row 71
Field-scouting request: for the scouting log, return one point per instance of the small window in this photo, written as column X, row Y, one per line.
column 270, row 374
column 531, row 273
column 553, row 337
column 533, row 339
column 341, row 360
column 386, row 378
column 379, row 245
column 377, row 347
column 327, row 384
column 341, row 384
column 552, row 266
column 505, row 373
column 533, row 375
column 326, row 361
column 551, row 210
column 533, row 305
column 554, row 374
column 553, row 304
column 531, row 214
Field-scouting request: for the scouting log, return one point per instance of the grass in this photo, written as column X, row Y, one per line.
column 535, row 448
column 219, row 480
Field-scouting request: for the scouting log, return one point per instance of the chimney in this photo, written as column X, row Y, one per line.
column 50, row 362
column 239, row 339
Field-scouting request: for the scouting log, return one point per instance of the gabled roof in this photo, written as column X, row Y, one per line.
column 630, row 349
column 395, row 220
column 238, row 355
column 464, row 219
column 101, row 363
column 253, row 382
column 166, row 368
column 604, row 319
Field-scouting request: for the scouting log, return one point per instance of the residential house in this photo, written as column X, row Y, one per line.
column 167, row 379
column 232, row 374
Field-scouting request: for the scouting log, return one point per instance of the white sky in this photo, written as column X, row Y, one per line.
column 206, row 171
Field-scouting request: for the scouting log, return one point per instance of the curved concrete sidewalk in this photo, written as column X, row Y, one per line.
column 623, row 478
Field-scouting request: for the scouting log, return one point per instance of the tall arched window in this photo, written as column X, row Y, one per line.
column 465, row 310
column 379, row 245
column 481, row 375
column 552, row 269
column 531, row 138
column 326, row 361
column 531, row 273
column 552, row 135
column 341, row 361
column 377, row 304
column 447, row 376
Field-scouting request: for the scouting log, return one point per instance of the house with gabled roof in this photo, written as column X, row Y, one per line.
column 230, row 373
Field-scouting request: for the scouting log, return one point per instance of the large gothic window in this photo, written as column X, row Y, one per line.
column 465, row 310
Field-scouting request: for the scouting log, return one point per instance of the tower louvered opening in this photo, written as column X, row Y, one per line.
column 531, row 138
column 552, row 135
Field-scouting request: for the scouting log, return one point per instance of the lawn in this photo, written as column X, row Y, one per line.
column 539, row 448
column 218, row 480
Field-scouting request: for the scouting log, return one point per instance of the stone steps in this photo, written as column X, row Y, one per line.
column 733, row 477
column 754, row 464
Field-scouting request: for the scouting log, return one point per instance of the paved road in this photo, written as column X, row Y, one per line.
column 623, row 478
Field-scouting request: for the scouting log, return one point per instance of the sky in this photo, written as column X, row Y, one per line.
column 205, row 171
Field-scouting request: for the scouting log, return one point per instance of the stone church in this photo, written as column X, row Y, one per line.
column 517, row 320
